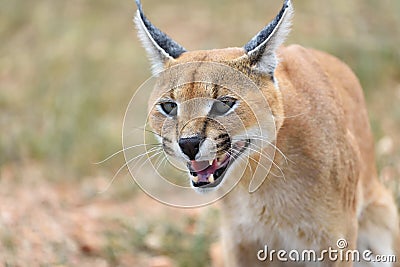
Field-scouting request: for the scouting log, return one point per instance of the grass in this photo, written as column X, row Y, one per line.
column 69, row 68
column 187, row 241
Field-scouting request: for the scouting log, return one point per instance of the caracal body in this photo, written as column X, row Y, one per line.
column 323, row 184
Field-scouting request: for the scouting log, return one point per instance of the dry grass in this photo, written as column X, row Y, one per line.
column 67, row 72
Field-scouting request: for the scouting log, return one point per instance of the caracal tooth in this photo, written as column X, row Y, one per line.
column 211, row 179
column 195, row 179
column 210, row 161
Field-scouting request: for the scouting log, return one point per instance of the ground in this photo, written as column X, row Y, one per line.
column 62, row 224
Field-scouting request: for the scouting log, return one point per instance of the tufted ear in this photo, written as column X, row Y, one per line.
column 159, row 47
column 261, row 50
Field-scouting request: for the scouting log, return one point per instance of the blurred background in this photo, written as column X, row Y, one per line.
column 67, row 72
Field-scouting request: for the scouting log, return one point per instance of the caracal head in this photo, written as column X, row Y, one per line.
column 206, row 105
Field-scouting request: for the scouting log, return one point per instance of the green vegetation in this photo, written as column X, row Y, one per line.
column 68, row 68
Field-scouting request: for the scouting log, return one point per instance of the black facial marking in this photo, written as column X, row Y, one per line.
column 222, row 136
column 214, row 91
column 205, row 124
column 225, row 145
column 177, row 129
column 167, row 149
column 167, row 140
column 172, row 94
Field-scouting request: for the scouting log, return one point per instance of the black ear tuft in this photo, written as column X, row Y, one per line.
column 262, row 47
column 263, row 35
column 163, row 41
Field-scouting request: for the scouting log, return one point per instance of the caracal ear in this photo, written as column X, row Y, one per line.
column 160, row 47
column 261, row 50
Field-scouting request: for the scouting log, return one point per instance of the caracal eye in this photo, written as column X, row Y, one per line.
column 222, row 106
column 170, row 108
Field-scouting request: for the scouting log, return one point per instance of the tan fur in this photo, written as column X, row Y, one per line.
column 331, row 189
column 323, row 183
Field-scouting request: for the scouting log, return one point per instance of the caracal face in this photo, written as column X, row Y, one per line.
column 208, row 116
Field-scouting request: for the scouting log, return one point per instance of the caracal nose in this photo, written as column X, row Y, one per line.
column 190, row 146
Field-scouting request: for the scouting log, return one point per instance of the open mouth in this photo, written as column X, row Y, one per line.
column 209, row 173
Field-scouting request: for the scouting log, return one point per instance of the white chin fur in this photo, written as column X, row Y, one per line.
column 205, row 190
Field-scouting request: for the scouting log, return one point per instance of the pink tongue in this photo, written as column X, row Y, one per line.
column 199, row 166
column 203, row 169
